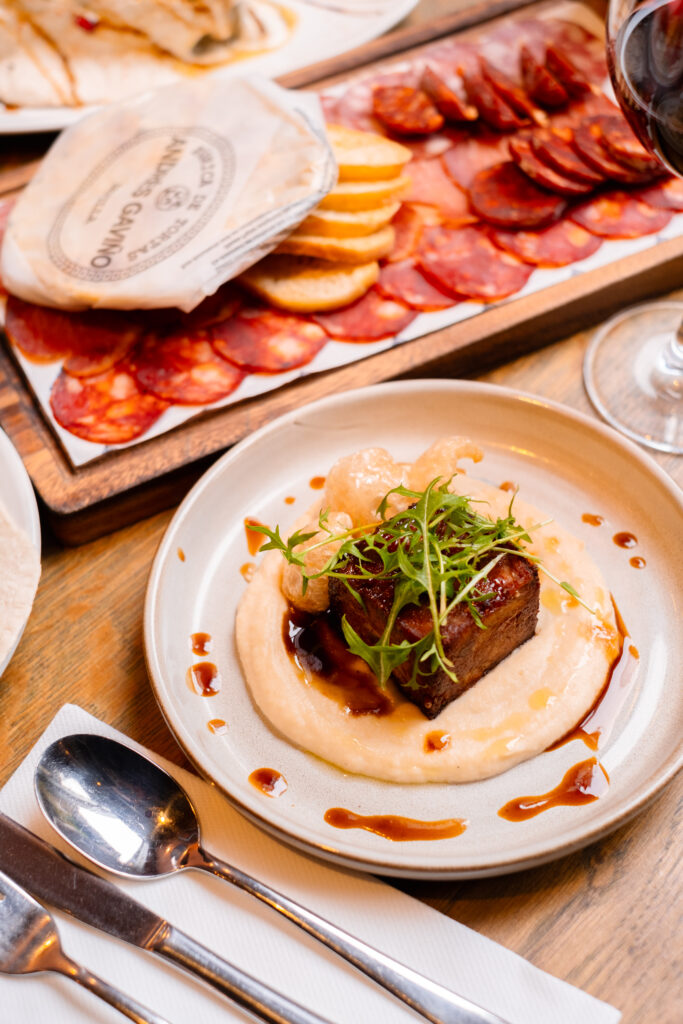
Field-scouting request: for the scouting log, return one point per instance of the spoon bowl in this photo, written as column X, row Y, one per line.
column 116, row 806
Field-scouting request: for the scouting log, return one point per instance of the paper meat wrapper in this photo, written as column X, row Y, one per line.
column 158, row 200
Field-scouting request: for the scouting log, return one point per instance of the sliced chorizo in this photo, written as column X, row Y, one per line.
column 565, row 72
column 445, row 99
column 545, row 176
column 666, row 195
column 466, row 263
column 89, row 342
column 512, row 94
column 404, row 282
column 620, row 214
column 556, row 246
column 473, row 154
column 370, row 318
column 408, row 225
column 431, row 186
column 554, row 147
column 624, row 147
column 587, row 141
column 505, row 197
column 406, row 111
column 267, row 341
column 182, row 367
column 109, row 408
column 492, row 108
column 540, row 84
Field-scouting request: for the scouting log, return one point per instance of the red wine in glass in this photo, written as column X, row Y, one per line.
column 646, row 65
column 633, row 368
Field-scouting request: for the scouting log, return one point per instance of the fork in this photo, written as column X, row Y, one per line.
column 29, row 944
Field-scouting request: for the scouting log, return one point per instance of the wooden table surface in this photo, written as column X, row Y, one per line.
column 605, row 919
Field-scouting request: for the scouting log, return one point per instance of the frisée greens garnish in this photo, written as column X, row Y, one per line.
column 438, row 552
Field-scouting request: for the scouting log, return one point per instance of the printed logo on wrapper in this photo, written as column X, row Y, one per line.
column 137, row 224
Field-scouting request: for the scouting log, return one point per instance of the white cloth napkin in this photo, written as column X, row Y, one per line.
column 260, row 941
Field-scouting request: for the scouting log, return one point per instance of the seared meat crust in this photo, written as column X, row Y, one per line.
column 509, row 615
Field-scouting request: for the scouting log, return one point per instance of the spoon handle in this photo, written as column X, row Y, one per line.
column 126, row 1005
column 433, row 1001
column 256, row 998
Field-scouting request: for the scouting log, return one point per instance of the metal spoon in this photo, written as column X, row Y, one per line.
column 29, row 943
column 131, row 817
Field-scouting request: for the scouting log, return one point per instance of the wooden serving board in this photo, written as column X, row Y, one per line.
column 127, row 485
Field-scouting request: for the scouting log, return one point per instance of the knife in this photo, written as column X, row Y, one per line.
column 52, row 878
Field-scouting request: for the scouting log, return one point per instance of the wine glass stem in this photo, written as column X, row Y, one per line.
column 667, row 376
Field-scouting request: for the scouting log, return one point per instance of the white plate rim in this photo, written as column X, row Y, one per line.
column 22, row 508
column 25, row 120
column 645, row 793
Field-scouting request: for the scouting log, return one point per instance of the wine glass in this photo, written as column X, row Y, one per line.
column 633, row 369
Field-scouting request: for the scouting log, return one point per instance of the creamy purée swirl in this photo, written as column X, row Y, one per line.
column 514, row 712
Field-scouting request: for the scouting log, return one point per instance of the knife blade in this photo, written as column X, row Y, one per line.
column 52, row 878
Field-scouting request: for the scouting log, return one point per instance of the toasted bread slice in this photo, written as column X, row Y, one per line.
column 365, row 156
column 341, row 250
column 352, row 224
column 302, row 284
column 364, row 195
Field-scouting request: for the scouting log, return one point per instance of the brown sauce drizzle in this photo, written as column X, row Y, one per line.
column 507, row 485
column 436, row 740
column 625, row 539
column 319, row 651
column 637, row 562
column 591, row 519
column 254, row 540
column 203, row 679
column 597, row 723
column 217, row 726
column 181, row 554
column 392, row 826
column 582, row 784
column 247, row 571
column 289, row 500
column 268, row 781
column 201, row 643
column 316, row 483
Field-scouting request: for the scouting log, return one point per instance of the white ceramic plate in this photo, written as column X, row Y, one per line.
column 567, row 465
column 18, row 501
column 325, row 28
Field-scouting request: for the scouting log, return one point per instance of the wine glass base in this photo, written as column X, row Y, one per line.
column 629, row 379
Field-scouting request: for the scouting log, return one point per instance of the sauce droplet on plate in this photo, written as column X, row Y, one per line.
column 436, row 740
column 181, row 554
column 637, row 562
column 508, row 485
column 289, row 500
column 394, row 827
column 316, row 483
column 582, row 784
column 268, row 781
column 247, row 571
column 201, row 643
column 591, row 519
column 217, row 726
column 625, row 539
column 203, row 679
column 254, row 540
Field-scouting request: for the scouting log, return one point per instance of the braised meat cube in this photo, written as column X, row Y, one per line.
column 508, row 614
